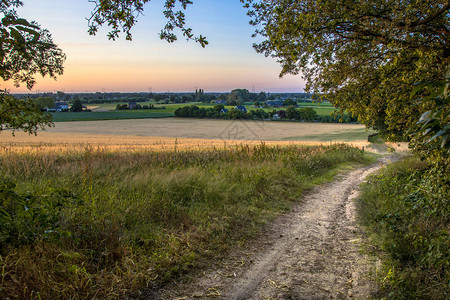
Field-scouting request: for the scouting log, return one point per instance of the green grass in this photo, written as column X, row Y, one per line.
column 405, row 210
column 110, row 115
column 107, row 111
column 104, row 224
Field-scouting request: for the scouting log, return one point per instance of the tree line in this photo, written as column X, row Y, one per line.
column 291, row 113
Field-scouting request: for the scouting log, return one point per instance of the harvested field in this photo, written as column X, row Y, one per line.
column 168, row 134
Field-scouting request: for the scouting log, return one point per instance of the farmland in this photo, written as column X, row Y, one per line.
column 108, row 112
column 190, row 132
column 128, row 204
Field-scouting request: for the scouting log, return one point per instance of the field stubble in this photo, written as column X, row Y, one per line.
column 173, row 134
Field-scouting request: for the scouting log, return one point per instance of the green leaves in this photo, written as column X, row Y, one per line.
column 21, row 114
column 27, row 218
column 365, row 57
column 26, row 49
column 122, row 15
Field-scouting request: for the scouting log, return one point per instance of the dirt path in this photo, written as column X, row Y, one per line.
column 310, row 253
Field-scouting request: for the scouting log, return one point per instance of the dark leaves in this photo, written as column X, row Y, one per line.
column 122, row 15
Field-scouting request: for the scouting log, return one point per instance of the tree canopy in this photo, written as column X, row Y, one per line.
column 365, row 57
column 24, row 114
column 26, row 48
column 121, row 16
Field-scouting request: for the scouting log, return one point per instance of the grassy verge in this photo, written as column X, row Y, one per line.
column 406, row 213
column 94, row 223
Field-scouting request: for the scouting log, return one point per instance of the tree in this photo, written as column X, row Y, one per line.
column 121, row 16
column 77, row 106
column 289, row 102
column 364, row 57
column 262, row 97
column 292, row 113
column 23, row 114
column 307, row 113
column 25, row 49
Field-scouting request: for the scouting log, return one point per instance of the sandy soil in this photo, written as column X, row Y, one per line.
column 312, row 252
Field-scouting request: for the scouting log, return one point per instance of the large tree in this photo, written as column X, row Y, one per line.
column 366, row 57
column 25, row 49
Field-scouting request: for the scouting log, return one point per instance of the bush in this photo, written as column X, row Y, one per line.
column 407, row 214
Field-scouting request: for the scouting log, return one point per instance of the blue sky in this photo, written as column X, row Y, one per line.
column 94, row 63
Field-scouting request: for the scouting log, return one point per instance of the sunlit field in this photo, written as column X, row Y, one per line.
column 170, row 134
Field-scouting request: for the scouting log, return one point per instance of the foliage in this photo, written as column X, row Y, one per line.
column 121, row 16
column 364, row 57
column 301, row 114
column 406, row 210
column 23, row 114
column 27, row 218
column 238, row 96
column 77, row 106
column 289, row 102
column 26, row 48
column 102, row 223
column 431, row 133
column 45, row 102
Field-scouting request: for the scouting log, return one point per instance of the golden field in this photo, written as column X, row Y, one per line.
column 170, row 134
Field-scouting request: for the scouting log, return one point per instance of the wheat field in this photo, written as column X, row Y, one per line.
column 173, row 134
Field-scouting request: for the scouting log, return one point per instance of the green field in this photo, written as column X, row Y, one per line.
column 110, row 115
column 108, row 112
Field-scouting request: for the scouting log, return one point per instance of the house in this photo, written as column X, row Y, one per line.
column 61, row 106
column 132, row 105
column 275, row 117
column 224, row 111
column 241, row 108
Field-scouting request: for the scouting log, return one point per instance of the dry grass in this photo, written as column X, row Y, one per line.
column 184, row 134
column 96, row 224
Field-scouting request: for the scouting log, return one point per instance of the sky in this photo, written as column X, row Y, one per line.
column 95, row 63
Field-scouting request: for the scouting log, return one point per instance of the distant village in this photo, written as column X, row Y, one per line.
column 61, row 101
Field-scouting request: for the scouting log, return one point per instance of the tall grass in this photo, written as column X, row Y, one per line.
column 92, row 222
column 406, row 212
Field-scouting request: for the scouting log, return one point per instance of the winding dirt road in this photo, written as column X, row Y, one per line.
column 312, row 252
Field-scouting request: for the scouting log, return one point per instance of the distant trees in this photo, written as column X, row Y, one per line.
column 45, row 103
column 289, row 102
column 307, row 114
column 262, row 97
column 77, row 106
column 238, row 97
column 125, row 106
